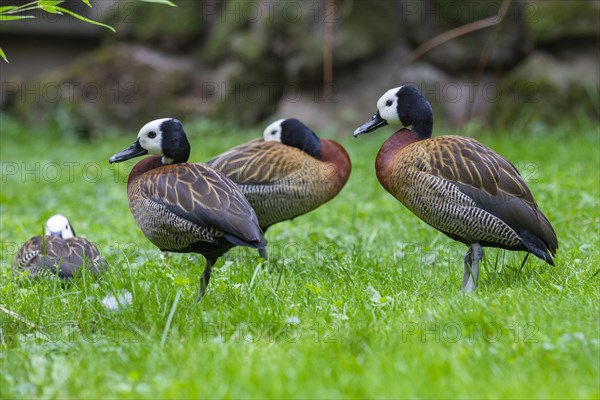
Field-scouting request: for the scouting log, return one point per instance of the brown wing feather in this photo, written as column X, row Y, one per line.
column 29, row 254
column 491, row 181
column 56, row 255
column 282, row 182
column 83, row 251
column 259, row 162
column 198, row 193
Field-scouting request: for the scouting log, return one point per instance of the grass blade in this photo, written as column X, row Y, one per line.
column 170, row 319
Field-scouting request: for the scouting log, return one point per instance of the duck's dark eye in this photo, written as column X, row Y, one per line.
column 274, row 133
column 151, row 134
column 389, row 103
column 67, row 227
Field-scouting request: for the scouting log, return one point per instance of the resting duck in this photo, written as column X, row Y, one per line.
column 457, row 185
column 58, row 252
column 185, row 207
column 286, row 173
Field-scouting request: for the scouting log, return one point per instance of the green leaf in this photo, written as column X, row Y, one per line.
column 313, row 288
column 181, row 281
column 14, row 17
column 165, row 2
column 84, row 19
column 49, row 3
column 87, row 3
column 3, row 55
column 7, row 8
column 50, row 9
column 50, row 6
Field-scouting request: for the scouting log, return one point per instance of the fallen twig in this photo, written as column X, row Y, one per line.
column 18, row 317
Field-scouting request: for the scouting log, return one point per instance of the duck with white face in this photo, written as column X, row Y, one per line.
column 185, row 207
column 58, row 252
column 58, row 226
column 164, row 137
column 456, row 184
column 286, row 173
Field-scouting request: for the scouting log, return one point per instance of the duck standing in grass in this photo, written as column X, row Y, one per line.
column 185, row 207
column 457, row 185
column 286, row 173
column 58, row 252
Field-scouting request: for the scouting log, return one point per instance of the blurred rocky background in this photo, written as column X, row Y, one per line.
column 325, row 62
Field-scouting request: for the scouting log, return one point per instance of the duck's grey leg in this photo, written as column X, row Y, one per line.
column 263, row 253
column 471, row 273
column 204, row 279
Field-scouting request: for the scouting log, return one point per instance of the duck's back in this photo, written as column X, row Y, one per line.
column 280, row 181
column 177, row 206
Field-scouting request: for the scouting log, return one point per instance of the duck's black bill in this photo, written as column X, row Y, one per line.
column 375, row 122
column 135, row 150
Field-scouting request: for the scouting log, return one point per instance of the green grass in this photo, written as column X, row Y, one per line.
column 360, row 298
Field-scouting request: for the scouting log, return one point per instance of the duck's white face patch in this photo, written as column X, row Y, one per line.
column 273, row 131
column 387, row 105
column 59, row 225
column 150, row 136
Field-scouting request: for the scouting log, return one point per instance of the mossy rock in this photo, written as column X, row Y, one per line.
column 217, row 47
column 115, row 85
column 543, row 90
column 248, row 96
column 361, row 30
column 553, row 20
column 364, row 29
column 235, row 38
column 169, row 28
column 501, row 46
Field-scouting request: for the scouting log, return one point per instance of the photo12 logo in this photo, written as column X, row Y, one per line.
column 290, row 331
column 453, row 332
column 63, row 171
column 54, row 92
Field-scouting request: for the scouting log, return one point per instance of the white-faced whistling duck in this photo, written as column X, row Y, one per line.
column 456, row 184
column 185, row 207
column 58, row 252
column 287, row 173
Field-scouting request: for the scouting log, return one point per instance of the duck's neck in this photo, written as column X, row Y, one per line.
column 144, row 165
column 388, row 152
column 309, row 144
column 333, row 152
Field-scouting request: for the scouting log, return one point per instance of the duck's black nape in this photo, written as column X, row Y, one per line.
column 175, row 144
column 295, row 133
column 415, row 111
